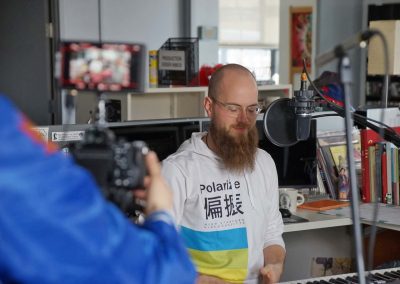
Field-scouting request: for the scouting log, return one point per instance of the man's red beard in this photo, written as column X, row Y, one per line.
column 237, row 153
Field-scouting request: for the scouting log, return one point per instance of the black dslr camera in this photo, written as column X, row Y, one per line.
column 117, row 166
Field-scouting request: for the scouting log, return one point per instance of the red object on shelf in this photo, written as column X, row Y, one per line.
column 206, row 72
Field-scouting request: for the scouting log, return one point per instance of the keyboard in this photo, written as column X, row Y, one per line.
column 380, row 276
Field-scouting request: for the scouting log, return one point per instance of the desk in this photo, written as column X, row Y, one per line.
column 316, row 221
column 323, row 236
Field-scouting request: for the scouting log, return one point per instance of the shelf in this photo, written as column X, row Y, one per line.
column 182, row 102
column 316, row 221
column 166, row 102
column 379, row 78
column 321, row 221
column 379, row 98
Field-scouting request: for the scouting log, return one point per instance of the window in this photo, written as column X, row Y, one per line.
column 249, row 35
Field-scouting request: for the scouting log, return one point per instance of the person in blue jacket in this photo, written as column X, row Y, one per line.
column 56, row 226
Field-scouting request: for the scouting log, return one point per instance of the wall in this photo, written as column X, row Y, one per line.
column 151, row 22
column 78, row 20
column 338, row 21
column 333, row 23
column 205, row 13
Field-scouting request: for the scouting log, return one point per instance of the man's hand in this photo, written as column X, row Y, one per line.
column 271, row 273
column 206, row 279
column 274, row 257
column 157, row 193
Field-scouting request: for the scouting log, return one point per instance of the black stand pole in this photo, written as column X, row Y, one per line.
column 346, row 79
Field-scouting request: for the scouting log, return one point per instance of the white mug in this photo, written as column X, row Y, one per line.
column 290, row 198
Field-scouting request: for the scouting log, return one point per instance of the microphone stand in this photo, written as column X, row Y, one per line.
column 346, row 79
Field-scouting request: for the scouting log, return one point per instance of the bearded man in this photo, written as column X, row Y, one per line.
column 226, row 188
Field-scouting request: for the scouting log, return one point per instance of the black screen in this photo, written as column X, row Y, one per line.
column 162, row 138
column 296, row 165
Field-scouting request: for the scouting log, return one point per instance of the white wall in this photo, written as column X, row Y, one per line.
column 79, row 20
column 337, row 21
column 151, row 22
column 205, row 13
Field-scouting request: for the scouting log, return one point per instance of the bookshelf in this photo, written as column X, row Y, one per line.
column 371, row 85
column 164, row 103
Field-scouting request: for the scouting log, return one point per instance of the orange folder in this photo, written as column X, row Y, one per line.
column 324, row 204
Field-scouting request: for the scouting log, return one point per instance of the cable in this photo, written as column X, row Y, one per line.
column 381, row 131
column 339, row 109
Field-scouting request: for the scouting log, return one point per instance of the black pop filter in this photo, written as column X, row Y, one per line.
column 280, row 123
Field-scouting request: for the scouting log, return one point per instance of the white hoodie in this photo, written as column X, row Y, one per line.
column 225, row 218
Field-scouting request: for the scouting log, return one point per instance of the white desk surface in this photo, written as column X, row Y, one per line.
column 316, row 221
column 320, row 221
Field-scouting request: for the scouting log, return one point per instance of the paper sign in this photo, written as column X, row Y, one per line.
column 67, row 136
column 171, row 60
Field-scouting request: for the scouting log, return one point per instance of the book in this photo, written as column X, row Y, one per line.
column 395, row 176
column 372, row 173
column 379, row 148
column 323, row 204
column 388, row 190
column 339, row 155
column 368, row 138
column 334, row 152
column 384, row 178
column 330, row 170
column 329, row 187
column 321, row 180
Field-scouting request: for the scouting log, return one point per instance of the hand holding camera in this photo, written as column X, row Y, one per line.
column 157, row 194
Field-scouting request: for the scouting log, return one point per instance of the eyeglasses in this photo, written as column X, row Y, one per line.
column 234, row 110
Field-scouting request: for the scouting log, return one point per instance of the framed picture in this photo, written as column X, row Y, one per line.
column 300, row 39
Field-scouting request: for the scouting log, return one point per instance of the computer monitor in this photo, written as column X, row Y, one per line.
column 296, row 165
column 164, row 140
column 163, row 137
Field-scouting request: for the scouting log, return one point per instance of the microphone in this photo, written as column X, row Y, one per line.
column 340, row 49
column 287, row 121
column 304, row 105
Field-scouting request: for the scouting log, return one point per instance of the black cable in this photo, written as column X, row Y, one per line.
column 324, row 115
column 389, row 129
column 388, row 132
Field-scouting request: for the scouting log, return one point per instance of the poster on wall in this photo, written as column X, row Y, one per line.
column 300, row 40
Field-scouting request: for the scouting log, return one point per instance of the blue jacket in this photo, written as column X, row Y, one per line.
column 56, row 227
